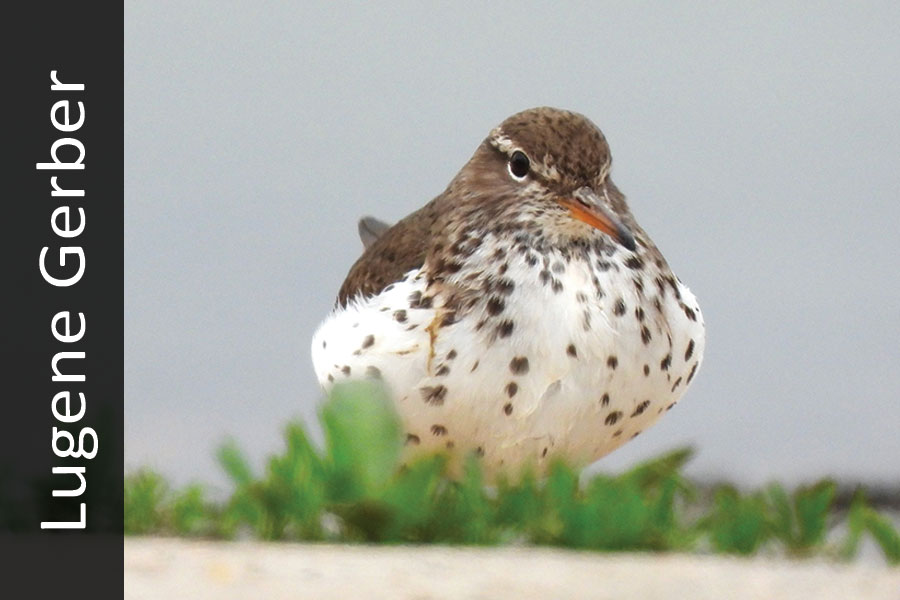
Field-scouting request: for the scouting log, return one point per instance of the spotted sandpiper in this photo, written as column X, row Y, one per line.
column 523, row 314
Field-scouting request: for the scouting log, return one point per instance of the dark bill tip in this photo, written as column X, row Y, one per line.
column 626, row 238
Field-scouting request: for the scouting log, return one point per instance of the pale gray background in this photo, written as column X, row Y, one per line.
column 759, row 147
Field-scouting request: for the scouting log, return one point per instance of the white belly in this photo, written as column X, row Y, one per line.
column 569, row 380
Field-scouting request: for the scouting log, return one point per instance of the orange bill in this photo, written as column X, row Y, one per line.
column 597, row 216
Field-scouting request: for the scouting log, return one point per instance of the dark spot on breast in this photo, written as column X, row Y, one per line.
column 451, row 355
column 433, row 394
column 612, row 362
column 544, row 452
column 645, row 335
column 519, row 365
column 400, row 316
column 545, row 276
column 495, row 306
column 613, row 417
column 413, row 439
column 373, row 372
column 464, row 248
column 346, row 370
column 640, row 408
column 474, row 366
column 330, row 377
column 666, row 362
column 324, row 344
column 676, row 384
column 619, row 308
column 693, row 370
column 604, row 400
column 671, row 281
column 438, row 430
column 689, row 313
column 442, row 370
column 450, row 444
column 505, row 328
column 660, row 286
column 639, row 313
column 571, row 351
column 507, row 409
column 479, row 451
column 556, row 286
column 634, row 263
column 511, row 388
column 368, row 341
column 646, row 370
column 505, row 286
column 689, row 352
column 448, row 319
column 447, row 267
column 581, row 297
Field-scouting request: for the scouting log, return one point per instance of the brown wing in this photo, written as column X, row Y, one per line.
column 390, row 255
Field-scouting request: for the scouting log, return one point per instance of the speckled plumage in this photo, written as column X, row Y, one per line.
column 503, row 323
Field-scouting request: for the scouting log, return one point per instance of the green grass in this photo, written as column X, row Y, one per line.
column 354, row 490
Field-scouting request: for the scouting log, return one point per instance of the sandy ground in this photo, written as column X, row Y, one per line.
column 168, row 568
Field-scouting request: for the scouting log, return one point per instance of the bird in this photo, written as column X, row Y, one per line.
column 522, row 316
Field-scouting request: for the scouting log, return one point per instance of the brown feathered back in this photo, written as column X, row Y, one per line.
column 396, row 252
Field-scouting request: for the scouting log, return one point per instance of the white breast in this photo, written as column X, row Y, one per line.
column 567, row 380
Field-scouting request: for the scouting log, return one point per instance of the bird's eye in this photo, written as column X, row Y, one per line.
column 518, row 165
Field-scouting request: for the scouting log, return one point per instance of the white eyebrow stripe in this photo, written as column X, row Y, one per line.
column 501, row 142
column 504, row 144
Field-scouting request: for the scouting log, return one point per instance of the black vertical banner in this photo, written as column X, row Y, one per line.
column 62, row 338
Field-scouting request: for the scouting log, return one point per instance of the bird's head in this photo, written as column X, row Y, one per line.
column 547, row 169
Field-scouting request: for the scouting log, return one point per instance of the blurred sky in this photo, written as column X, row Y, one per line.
column 759, row 147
